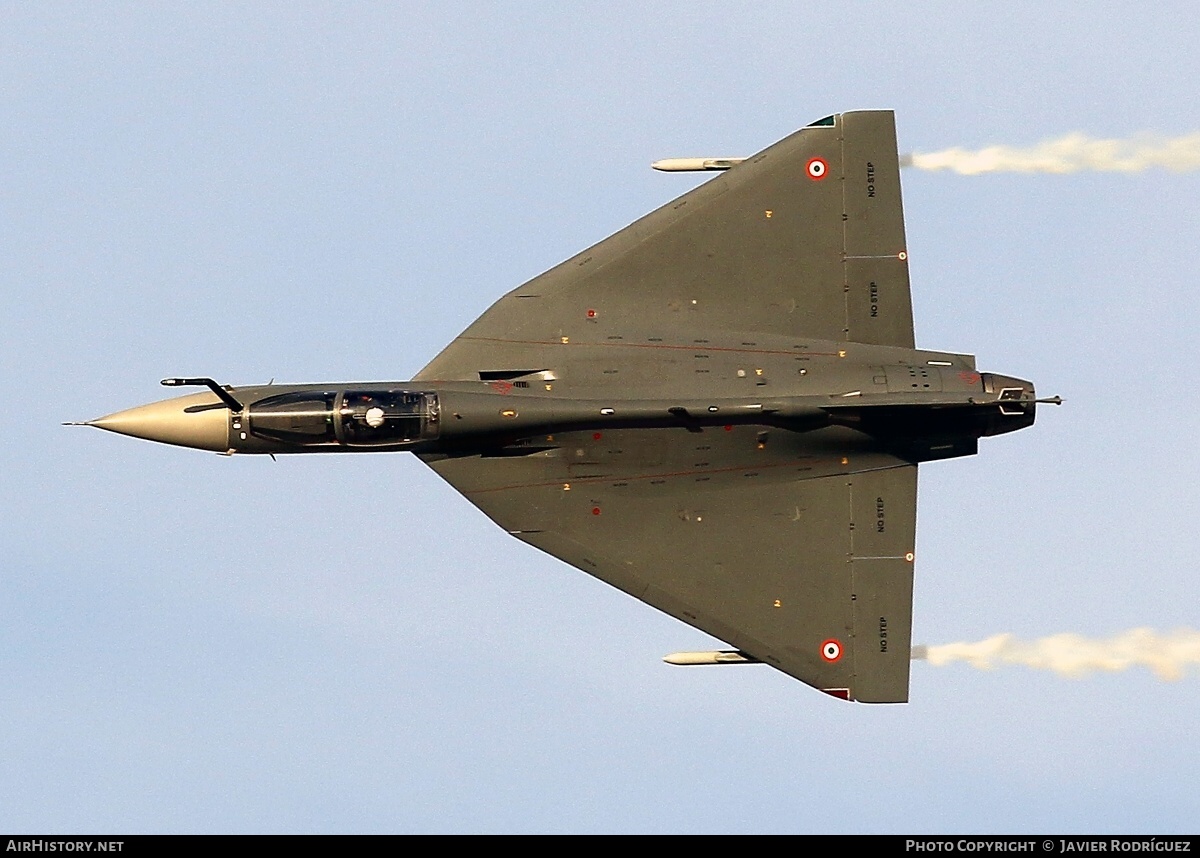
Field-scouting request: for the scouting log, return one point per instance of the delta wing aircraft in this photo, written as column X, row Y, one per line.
column 719, row 410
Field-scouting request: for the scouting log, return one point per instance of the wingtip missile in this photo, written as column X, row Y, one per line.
column 695, row 165
column 726, row 656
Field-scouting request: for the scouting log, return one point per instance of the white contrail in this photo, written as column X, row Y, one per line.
column 1068, row 154
column 1072, row 655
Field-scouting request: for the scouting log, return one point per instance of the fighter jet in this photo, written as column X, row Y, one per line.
column 719, row 410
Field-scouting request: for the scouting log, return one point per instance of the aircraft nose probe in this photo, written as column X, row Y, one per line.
column 188, row 421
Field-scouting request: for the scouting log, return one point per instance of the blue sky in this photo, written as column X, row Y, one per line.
column 317, row 192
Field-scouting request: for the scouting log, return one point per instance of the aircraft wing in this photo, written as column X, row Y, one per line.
column 795, row 549
column 804, row 239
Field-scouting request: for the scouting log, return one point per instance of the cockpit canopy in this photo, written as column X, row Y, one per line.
column 354, row 418
column 369, row 418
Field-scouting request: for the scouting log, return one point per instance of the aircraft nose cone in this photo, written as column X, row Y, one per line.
column 198, row 421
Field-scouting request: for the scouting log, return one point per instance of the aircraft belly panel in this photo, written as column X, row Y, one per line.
column 913, row 378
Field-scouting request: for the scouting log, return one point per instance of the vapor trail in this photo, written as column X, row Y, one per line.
column 1068, row 154
column 1074, row 656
